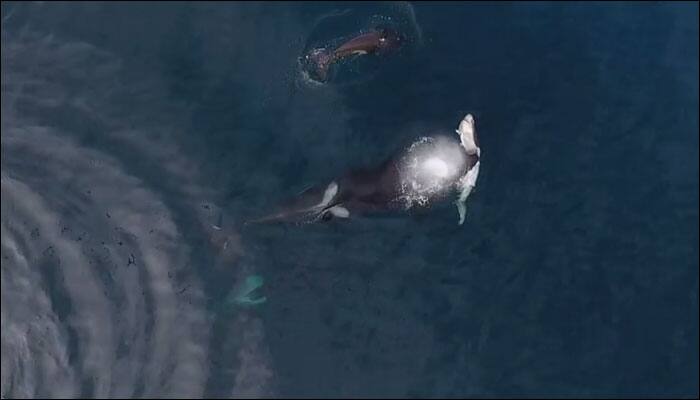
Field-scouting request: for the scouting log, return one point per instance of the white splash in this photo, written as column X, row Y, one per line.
column 429, row 169
column 436, row 166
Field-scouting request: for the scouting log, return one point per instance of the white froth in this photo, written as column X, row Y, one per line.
column 430, row 167
column 436, row 167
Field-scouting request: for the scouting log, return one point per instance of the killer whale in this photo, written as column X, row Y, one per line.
column 376, row 41
column 426, row 172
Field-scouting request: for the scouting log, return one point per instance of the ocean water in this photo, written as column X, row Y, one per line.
column 138, row 137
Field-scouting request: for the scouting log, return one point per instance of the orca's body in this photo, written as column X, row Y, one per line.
column 359, row 192
column 372, row 42
column 414, row 178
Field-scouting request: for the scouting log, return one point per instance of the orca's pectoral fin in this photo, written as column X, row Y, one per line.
column 245, row 294
column 249, row 301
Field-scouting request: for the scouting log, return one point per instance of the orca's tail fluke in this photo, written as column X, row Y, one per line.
column 327, row 208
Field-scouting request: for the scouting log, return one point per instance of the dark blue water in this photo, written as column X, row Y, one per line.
column 129, row 130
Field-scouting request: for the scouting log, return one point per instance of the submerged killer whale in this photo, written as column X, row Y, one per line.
column 374, row 41
column 385, row 187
